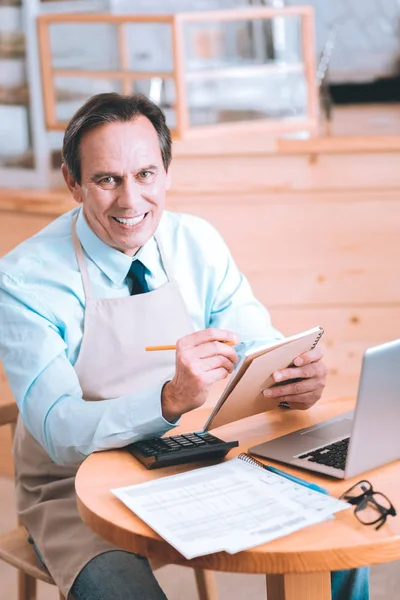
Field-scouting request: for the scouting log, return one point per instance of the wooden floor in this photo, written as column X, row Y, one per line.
column 178, row 582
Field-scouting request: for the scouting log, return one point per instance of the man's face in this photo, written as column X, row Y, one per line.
column 123, row 185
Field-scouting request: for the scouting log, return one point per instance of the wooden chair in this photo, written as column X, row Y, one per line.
column 18, row 552
column 14, row 546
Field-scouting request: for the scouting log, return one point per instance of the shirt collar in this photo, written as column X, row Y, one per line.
column 112, row 262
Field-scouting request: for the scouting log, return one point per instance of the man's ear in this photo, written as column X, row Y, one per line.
column 72, row 184
column 168, row 181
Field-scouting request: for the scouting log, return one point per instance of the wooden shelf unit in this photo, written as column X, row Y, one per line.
column 179, row 75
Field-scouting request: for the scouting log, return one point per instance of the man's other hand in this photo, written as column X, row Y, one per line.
column 201, row 359
column 309, row 373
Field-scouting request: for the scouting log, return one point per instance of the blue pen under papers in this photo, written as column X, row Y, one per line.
column 312, row 486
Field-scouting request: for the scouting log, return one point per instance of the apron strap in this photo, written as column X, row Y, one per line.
column 164, row 260
column 80, row 257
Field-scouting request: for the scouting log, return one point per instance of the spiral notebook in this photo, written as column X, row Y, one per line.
column 231, row 506
column 243, row 397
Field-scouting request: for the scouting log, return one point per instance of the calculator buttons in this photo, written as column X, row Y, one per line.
column 179, row 449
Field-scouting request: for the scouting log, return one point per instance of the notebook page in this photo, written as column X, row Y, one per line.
column 228, row 507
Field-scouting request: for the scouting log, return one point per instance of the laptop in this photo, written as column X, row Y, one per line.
column 357, row 441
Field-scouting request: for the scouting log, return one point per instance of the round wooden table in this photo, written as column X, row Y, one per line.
column 297, row 566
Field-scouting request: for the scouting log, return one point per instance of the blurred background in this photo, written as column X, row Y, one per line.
column 229, row 71
column 286, row 124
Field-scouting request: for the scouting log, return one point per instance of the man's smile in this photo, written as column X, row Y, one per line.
column 130, row 221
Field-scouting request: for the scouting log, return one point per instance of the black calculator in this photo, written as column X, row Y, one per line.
column 178, row 449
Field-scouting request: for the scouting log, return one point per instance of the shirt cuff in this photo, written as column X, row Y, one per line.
column 175, row 421
column 145, row 414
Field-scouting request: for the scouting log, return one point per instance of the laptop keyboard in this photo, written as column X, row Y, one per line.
column 333, row 455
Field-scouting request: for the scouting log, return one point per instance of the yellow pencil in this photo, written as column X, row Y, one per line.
column 173, row 347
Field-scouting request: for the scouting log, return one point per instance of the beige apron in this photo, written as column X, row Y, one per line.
column 111, row 362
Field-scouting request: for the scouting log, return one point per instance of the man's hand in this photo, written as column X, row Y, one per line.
column 201, row 359
column 302, row 394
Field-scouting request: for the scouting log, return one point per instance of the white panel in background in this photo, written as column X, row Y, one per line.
column 14, row 138
column 10, row 18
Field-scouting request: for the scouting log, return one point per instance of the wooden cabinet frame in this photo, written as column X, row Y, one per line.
column 183, row 129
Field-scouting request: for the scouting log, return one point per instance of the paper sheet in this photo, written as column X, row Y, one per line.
column 231, row 506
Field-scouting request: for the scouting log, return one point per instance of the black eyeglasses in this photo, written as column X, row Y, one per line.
column 371, row 507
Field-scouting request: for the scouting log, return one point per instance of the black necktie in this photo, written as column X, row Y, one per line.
column 136, row 279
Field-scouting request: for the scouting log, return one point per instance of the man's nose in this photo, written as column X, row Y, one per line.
column 129, row 194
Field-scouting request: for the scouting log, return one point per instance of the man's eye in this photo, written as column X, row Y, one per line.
column 146, row 175
column 107, row 180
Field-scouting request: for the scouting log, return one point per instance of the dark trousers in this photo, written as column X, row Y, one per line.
column 120, row 575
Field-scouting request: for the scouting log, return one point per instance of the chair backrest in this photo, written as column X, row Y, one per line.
column 14, row 547
column 8, row 413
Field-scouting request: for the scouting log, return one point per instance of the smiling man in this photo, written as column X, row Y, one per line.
column 78, row 304
column 120, row 173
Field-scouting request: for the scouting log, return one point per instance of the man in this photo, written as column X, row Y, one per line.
column 79, row 302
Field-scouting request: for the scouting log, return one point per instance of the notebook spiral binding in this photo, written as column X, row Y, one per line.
column 318, row 338
column 250, row 460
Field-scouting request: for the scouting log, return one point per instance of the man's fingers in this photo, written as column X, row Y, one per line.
column 309, row 357
column 217, row 374
column 306, row 372
column 204, row 336
column 303, row 386
column 211, row 371
column 216, row 362
column 216, row 349
column 299, row 402
column 311, row 370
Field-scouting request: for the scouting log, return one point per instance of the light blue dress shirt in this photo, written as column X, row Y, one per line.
column 42, row 308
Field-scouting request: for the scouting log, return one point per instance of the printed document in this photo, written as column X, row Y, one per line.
column 231, row 506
